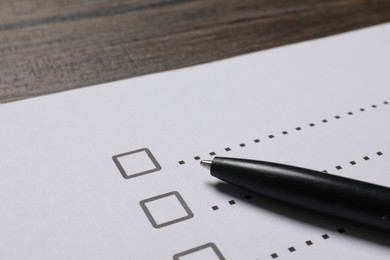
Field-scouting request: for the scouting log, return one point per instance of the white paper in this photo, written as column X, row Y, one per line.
column 62, row 196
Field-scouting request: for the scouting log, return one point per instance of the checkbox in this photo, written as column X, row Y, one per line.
column 207, row 251
column 136, row 163
column 166, row 209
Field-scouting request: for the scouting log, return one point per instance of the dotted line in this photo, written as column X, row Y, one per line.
column 292, row 249
column 352, row 163
column 285, row 132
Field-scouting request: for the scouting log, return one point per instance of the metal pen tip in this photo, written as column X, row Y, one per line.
column 206, row 164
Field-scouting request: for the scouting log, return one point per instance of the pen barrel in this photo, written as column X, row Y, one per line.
column 346, row 198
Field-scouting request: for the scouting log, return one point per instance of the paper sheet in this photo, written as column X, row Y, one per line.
column 112, row 171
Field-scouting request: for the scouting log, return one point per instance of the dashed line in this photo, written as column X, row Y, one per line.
column 285, row 132
column 293, row 249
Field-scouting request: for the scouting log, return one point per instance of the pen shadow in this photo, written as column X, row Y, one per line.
column 306, row 216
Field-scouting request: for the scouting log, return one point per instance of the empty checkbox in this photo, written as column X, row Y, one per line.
column 166, row 209
column 136, row 163
column 206, row 251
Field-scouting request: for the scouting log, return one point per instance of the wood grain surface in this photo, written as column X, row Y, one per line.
column 49, row 46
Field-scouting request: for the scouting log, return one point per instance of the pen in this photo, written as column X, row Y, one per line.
column 338, row 196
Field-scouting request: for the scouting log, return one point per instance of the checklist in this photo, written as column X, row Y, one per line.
column 112, row 171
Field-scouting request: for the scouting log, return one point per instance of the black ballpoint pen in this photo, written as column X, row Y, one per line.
column 338, row 196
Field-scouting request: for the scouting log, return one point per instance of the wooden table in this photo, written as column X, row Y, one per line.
column 49, row 46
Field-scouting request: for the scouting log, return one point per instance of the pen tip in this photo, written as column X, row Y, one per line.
column 206, row 164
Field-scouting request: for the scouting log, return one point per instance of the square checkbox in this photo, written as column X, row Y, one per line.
column 207, row 251
column 166, row 209
column 136, row 163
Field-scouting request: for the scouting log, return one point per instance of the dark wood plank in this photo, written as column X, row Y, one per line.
column 49, row 46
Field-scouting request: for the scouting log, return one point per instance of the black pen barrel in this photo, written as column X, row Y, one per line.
column 346, row 198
